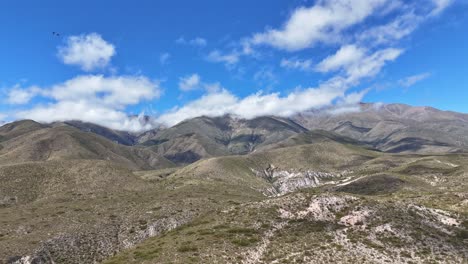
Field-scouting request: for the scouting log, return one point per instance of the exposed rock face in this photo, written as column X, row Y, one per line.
column 321, row 208
column 285, row 181
column 93, row 246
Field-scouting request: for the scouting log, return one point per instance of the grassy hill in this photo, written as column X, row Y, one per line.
column 381, row 214
column 42, row 143
column 204, row 137
column 228, row 190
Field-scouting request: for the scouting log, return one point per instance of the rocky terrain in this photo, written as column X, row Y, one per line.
column 395, row 128
column 387, row 184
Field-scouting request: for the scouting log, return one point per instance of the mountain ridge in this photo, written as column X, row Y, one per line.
column 75, row 192
column 394, row 128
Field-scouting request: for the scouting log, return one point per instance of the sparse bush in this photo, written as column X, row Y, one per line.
column 462, row 234
column 187, row 248
column 245, row 242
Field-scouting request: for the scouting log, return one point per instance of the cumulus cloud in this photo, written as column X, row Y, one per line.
column 344, row 57
column 198, row 41
column 88, row 112
column 189, row 83
column 94, row 98
column 350, row 103
column 322, row 22
column 412, row 80
column 259, row 104
column 194, row 82
column 353, row 68
column 364, row 49
column 213, row 87
column 294, row 63
column 336, row 21
column 356, row 62
column 18, row 95
column 89, row 52
column 354, row 98
column 372, row 64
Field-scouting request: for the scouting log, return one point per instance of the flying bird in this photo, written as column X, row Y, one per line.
column 56, row 34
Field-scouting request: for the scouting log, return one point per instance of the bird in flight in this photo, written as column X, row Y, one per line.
column 56, row 34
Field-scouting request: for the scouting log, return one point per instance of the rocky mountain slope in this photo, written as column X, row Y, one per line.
column 391, row 128
column 205, row 137
column 396, row 128
column 366, row 208
column 353, row 188
column 26, row 141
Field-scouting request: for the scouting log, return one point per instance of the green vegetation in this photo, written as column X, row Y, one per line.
column 77, row 197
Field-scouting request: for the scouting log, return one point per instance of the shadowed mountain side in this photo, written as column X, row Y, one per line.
column 121, row 137
column 204, row 137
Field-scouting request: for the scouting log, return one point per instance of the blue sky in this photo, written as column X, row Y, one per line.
column 179, row 59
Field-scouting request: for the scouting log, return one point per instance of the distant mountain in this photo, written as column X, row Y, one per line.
column 395, row 128
column 318, row 186
column 19, row 128
column 120, row 137
column 204, row 137
column 25, row 141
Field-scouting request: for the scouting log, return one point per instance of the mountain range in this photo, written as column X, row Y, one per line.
column 346, row 187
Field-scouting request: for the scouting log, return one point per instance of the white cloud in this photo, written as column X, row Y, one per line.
column 395, row 30
column 18, row 95
column 354, row 63
column 294, row 63
column 410, row 16
column 259, row 104
column 357, row 63
column 213, row 87
column 412, row 80
column 322, row 22
column 194, row 82
column 229, row 58
column 89, row 52
column 350, row 103
column 198, row 41
column 371, row 65
column 339, row 110
column 344, row 57
column 190, row 83
column 440, row 6
column 354, row 98
column 96, row 99
column 110, row 91
column 164, row 57
column 88, row 112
